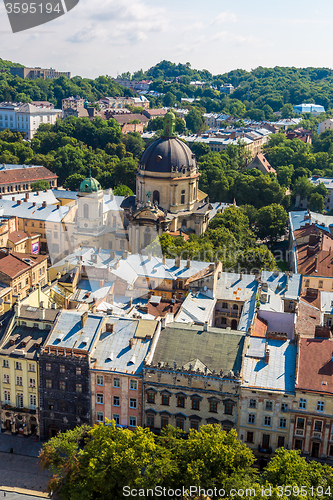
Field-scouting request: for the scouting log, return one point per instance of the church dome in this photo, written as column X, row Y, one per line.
column 90, row 185
column 168, row 153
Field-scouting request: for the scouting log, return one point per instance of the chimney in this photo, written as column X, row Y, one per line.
column 84, row 318
column 130, row 302
column 125, row 254
column 37, row 193
column 188, row 263
column 19, row 202
column 150, row 256
column 163, row 260
column 101, row 283
column 27, row 195
column 130, row 343
column 58, row 206
column 109, row 327
column 18, row 308
column 13, row 198
column 267, row 356
column 205, row 327
column 177, row 261
column 44, row 204
column 33, row 203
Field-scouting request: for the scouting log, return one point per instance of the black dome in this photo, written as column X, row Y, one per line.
column 167, row 154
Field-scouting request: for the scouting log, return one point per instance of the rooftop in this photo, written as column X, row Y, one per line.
column 215, row 349
column 276, row 375
column 315, row 371
column 113, row 351
column 50, row 213
column 68, row 332
column 196, row 307
column 24, row 342
column 13, row 264
column 25, row 174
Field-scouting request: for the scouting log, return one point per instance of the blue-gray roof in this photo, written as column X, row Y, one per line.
column 26, row 210
column 276, row 375
column 69, row 334
column 113, row 352
column 298, row 220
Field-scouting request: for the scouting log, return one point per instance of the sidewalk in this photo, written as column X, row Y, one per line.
column 18, row 471
column 21, row 445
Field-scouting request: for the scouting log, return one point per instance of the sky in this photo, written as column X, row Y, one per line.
column 108, row 37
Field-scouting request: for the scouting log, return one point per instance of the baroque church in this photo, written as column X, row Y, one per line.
column 167, row 198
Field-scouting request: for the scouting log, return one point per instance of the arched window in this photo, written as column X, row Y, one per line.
column 86, row 211
column 182, row 197
column 156, row 197
column 235, row 307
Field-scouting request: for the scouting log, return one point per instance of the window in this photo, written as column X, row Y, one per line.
column 19, row 381
column 32, row 382
column 283, row 423
column 62, row 385
column 320, row 405
column 19, row 400
column 165, row 400
column 251, row 419
column 182, row 197
column 194, row 424
column 62, row 406
column 195, row 404
column 100, row 380
column 225, row 305
column 5, row 363
column 31, row 367
column 116, row 401
column 33, row 401
column 132, row 403
column 7, row 397
column 318, row 426
column 19, row 286
column 253, row 403
column 78, row 370
column 298, row 444
column 269, row 405
column 181, row 401
column 48, row 367
column 213, row 406
column 79, row 410
column 100, row 416
column 300, row 423
column 267, row 420
column 302, row 404
column 100, row 399
column 180, row 423
column 78, row 388
column 133, row 385
column 164, row 421
column 249, row 437
column 116, row 382
column 150, row 421
column 62, row 369
column 6, row 378
column 116, row 418
column 48, row 383
column 18, row 365
column 284, row 407
column 228, row 408
column 280, row 443
column 132, row 421
column 320, row 285
column 151, row 397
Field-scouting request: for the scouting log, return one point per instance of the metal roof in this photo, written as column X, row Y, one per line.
column 68, row 333
column 278, row 374
column 216, row 348
column 26, row 210
column 113, row 352
column 196, row 307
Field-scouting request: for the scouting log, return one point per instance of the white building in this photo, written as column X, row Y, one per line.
column 314, row 109
column 26, row 118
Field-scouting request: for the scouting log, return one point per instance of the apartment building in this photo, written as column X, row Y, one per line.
column 26, row 118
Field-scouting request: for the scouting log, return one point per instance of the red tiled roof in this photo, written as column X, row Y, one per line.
column 315, row 370
column 321, row 262
column 265, row 163
column 308, row 316
column 29, row 174
column 162, row 308
column 259, row 328
column 13, row 265
column 17, row 236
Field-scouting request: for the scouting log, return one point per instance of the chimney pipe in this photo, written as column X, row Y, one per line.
column 130, row 343
column 19, row 202
column 267, row 356
column 84, row 318
column 188, row 263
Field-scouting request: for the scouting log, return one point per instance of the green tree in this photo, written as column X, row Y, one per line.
column 272, row 221
column 194, row 121
column 316, row 203
column 73, row 181
column 40, row 185
column 122, row 190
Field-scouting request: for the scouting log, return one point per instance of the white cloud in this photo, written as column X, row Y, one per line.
column 225, row 17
